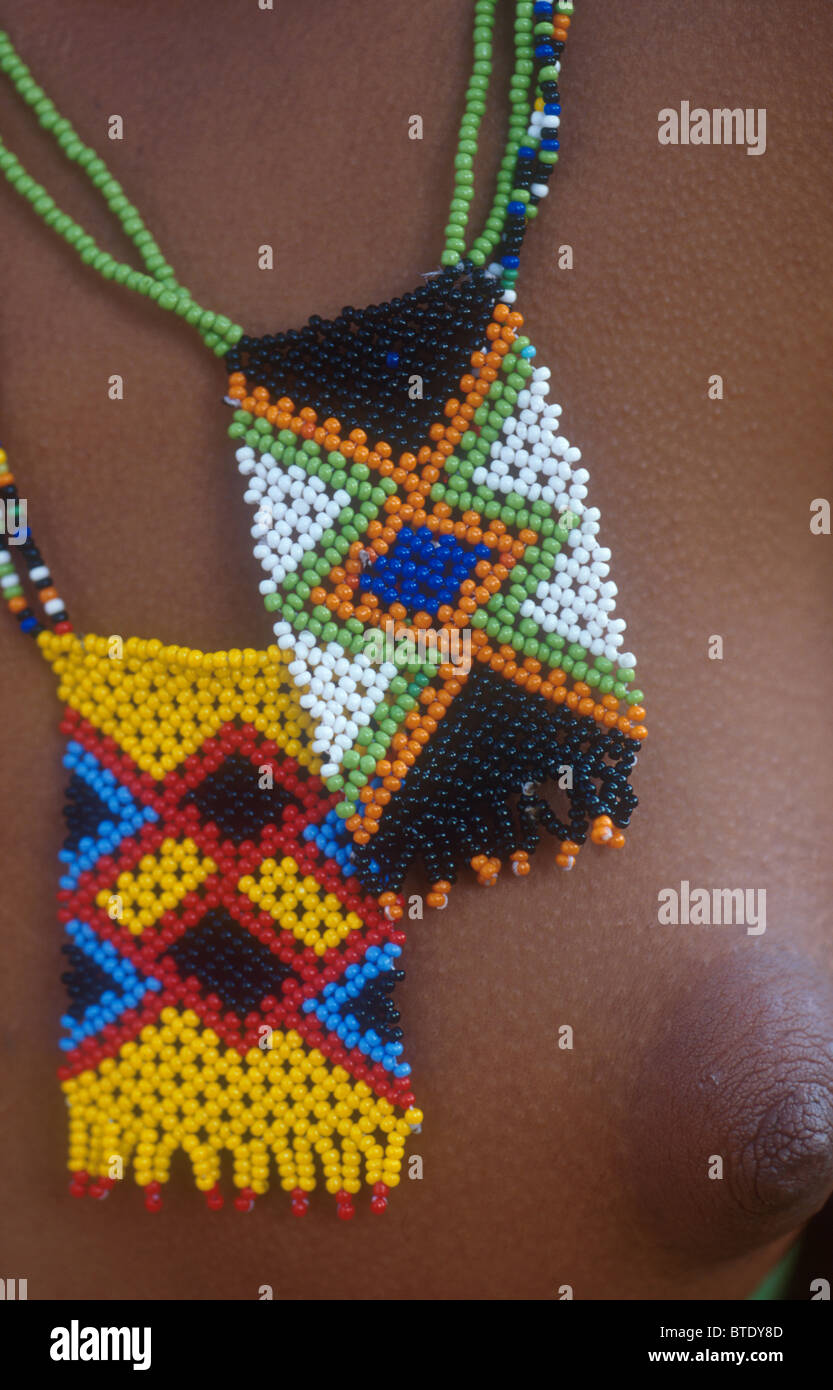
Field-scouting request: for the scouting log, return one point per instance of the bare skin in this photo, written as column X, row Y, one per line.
column 543, row 1167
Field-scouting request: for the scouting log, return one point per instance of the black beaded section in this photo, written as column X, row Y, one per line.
column 233, row 799
column 361, row 367
column 374, row 1008
column 465, row 794
column 84, row 812
column 85, row 981
column 227, row 961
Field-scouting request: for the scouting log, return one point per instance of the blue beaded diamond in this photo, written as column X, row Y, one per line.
column 423, row 571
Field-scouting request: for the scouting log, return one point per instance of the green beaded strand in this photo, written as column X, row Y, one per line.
column 519, row 119
column 158, row 282
column 79, row 153
column 454, row 249
column 475, row 107
column 522, row 105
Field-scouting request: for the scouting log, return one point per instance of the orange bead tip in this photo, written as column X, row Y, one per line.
column 520, row 863
column 602, row 830
column 487, row 870
column 565, row 861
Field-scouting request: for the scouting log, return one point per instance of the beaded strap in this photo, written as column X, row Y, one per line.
column 158, row 281
column 541, row 29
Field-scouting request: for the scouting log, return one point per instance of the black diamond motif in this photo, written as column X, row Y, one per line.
column 229, row 962
column 232, row 798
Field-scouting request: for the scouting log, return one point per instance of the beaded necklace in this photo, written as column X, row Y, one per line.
column 240, row 823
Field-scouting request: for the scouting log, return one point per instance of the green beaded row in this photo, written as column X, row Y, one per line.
column 158, row 281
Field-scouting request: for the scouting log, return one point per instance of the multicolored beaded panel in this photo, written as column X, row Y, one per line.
column 448, row 610
column 230, row 980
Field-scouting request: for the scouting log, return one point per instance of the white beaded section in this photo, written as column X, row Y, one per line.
column 294, row 509
column 532, row 459
column 542, row 118
column 340, row 690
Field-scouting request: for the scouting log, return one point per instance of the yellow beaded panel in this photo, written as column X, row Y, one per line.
column 160, row 703
column 284, row 1111
column 269, row 1103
